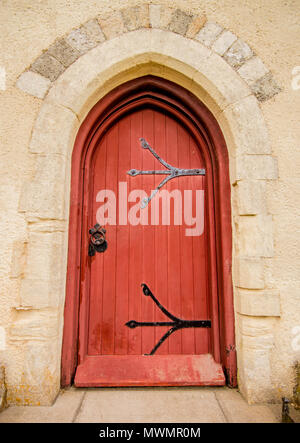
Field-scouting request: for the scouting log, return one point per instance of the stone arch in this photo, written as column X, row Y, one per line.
column 197, row 63
column 38, row 79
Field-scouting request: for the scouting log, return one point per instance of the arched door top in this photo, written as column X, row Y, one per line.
column 161, row 94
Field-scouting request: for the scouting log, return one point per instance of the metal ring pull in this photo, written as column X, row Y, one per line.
column 98, row 241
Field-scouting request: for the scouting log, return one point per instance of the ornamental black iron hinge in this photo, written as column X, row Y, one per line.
column 176, row 323
column 171, row 172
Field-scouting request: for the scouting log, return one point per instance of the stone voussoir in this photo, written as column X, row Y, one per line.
column 86, row 37
column 253, row 70
column 238, row 54
column 136, row 17
column 154, row 16
column 112, row 25
column 47, row 66
column 62, row 53
column 224, row 42
column 265, row 88
column 196, row 24
column 163, row 16
column 180, row 22
column 209, row 34
column 34, row 84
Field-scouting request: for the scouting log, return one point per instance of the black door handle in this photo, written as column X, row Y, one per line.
column 98, row 241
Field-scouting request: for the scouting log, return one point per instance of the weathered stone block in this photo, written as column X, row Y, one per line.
column 258, row 167
column 252, row 70
column 65, row 408
column 258, row 303
column 63, row 52
column 256, row 236
column 79, row 41
column 43, row 281
column 39, row 379
column 177, row 48
column 180, row 22
column 238, row 53
column 196, row 24
column 228, row 87
column 265, row 87
column 154, row 15
column 48, row 66
column 136, row 17
column 251, row 197
column 249, row 273
column 112, row 25
column 248, row 128
column 33, row 84
column 209, row 33
column 39, row 196
column 34, row 324
column 256, row 327
column 165, row 17
column 93, row 31
column 81, row 76
column 37, row 293
column 223, row 42
column 48, row 226
column 51, row 132
column 86, row 37
column 255, row 381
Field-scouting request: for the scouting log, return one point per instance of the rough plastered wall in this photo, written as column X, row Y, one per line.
column 268, row 345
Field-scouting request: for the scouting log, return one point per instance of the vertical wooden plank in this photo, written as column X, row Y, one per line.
column 200, row 260
column 148, row 333
column 122, row 241
column 135, row 251
column 96, row 290
column 161, row 236
column 85, row 267
column 186, row 247
column 174, row 249
column 109, row 274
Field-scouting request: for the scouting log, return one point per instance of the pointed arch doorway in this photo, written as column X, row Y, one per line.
column 183, row 314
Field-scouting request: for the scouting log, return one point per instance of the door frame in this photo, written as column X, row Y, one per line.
column 199, row 119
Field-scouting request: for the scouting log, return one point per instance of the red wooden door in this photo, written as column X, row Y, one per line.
column 142, row 248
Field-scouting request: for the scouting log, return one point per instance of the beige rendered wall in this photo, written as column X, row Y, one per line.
column 268, row 329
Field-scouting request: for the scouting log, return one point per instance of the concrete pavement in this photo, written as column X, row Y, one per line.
column 145, row 405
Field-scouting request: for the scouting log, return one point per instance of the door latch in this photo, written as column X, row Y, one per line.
column 98, row 241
